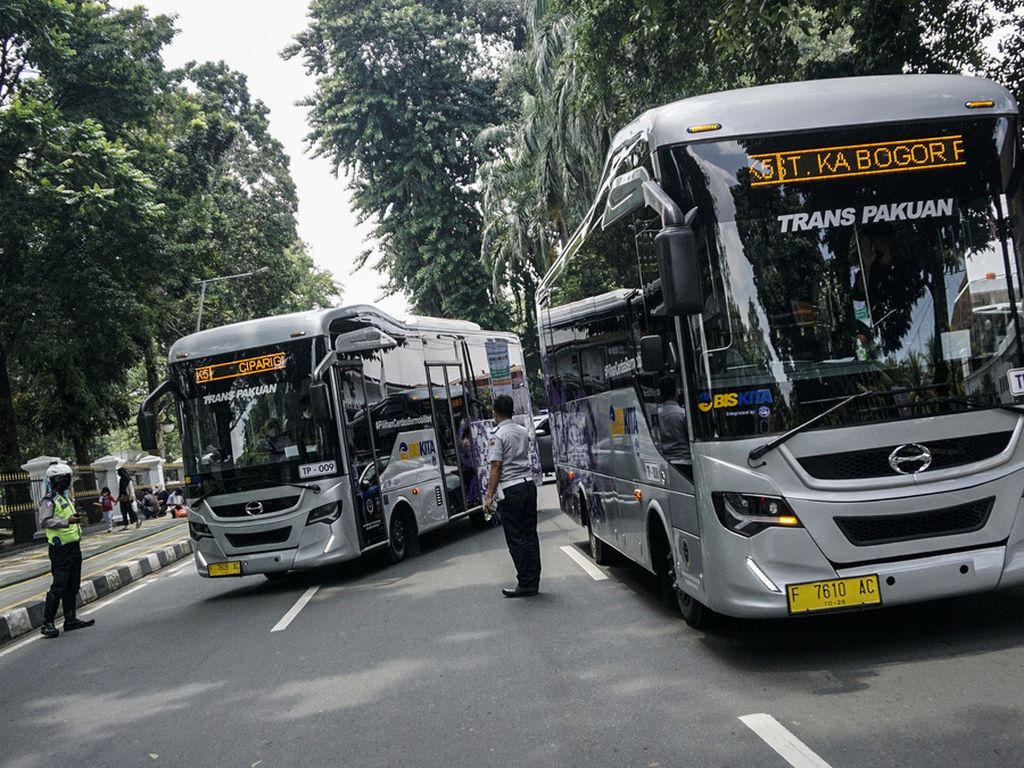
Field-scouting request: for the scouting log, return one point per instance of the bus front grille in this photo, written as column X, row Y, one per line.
column 887, row 529
column 275, row 536
column 874, row 462
column 266, row 505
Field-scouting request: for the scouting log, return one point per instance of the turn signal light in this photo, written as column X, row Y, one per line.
column 638, row 494
column 415, row 491
column 980, row 104
column 704, row 128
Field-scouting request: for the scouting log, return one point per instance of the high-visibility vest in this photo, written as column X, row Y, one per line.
column 63, row 508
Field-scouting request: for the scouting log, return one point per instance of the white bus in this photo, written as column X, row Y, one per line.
column 315, row 437
column 830, row 273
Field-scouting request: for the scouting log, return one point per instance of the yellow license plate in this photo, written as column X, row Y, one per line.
column 833, row 594
column 230, row 568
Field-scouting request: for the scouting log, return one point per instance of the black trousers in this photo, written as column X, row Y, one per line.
column 127, row 513
column 518, row 512
column 66, row 568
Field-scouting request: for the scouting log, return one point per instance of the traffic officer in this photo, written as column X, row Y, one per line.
column 511, row 485
column 64, row 534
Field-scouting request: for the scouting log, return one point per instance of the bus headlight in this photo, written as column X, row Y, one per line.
column 747, row 514
column 199, row 530
column 325, row 513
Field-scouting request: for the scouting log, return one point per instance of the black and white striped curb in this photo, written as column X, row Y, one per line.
column 29, row 616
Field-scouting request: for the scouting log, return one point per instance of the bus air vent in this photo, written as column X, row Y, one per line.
column 276, row 536
column 874, row 462
column 887, row 529
column 269, row 505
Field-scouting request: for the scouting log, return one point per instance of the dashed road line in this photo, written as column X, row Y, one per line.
column 294, row 610
column 592, row 570
column 788, row 746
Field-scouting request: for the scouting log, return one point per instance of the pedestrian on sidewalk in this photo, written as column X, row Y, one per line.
column 63, row 534
column 125, row 497
column 511, row 486
column 106, row 504
column 150, row 504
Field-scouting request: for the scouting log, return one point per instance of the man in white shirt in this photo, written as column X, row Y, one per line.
column 511, row 484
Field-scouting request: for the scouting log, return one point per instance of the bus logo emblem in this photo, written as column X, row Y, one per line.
column 910, row 459
column 254, row 508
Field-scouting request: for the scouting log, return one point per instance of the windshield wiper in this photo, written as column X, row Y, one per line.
column 761, row 450
column 314, row 487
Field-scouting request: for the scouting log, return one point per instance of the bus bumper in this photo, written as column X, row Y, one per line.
column 319, row 545
column 790, row 557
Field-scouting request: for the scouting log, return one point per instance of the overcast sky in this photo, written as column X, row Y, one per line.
column 250, row 36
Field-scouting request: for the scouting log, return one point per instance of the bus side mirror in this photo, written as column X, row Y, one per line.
column 147, row 430
column 680, row 271
column 320, row 402
column 652, row 354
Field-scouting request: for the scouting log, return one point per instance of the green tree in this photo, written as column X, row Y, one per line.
column 403, row 89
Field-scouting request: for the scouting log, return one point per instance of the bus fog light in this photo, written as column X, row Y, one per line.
column 748, row 514
column 325, row 513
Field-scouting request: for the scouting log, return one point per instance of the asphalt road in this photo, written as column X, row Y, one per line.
column 425, row 664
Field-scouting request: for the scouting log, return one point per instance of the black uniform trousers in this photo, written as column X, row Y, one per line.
column 127, row 513
column 518, row 512
column 66, row 568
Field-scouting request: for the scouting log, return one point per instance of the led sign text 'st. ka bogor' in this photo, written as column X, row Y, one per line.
column 824, row 163
column 236, row 368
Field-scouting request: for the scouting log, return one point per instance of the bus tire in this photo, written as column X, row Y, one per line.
column 398, row 534
column 599, row 551
column 695, row 613
column 403, row 540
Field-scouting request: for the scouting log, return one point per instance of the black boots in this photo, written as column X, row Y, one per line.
column 49, row 630
column 73, row 622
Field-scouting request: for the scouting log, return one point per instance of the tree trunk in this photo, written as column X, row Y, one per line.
column 10, row 447
column 153, row 379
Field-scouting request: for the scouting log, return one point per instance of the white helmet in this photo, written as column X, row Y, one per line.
column 56, row 469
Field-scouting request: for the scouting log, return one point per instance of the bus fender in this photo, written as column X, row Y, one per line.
column 656, row 517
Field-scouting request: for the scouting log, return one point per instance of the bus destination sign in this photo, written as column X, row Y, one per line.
column 824, row 163
column 236, row 368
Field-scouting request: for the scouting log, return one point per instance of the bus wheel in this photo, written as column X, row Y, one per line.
column 398, row 538
column 695, row 613
column 598, row 549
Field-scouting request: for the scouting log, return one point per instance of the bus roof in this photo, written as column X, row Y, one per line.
column 591, row 306
column 281, row 328
column 814, row 105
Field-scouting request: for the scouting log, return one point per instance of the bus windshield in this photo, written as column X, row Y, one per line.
column 247, row 418
column 850, row 261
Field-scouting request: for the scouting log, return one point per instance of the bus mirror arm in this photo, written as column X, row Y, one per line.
column 148, row 412
column 678, row 259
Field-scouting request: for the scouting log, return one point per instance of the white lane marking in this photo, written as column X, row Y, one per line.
column 179, row 569
column 294, row 610
column 21, row 644
column 789, row 747
column 592, row 570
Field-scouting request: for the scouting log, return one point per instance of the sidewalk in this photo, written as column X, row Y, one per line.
column 110, row 562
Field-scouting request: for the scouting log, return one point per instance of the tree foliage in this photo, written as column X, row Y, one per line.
column 121, row 183
column 403, row 89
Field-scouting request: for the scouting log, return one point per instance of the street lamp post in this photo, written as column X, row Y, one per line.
column 202, row 289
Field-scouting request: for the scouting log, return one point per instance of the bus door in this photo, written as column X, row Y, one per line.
column 365, row 462
column 450, row 409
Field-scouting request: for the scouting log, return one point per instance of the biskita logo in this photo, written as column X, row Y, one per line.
column 408, row 451
column 708, row 402
column 623, row 421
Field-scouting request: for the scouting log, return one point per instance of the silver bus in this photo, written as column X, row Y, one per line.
column 315, row 437
column 829, row 273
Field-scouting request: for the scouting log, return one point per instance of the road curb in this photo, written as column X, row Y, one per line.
column 25, row 618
